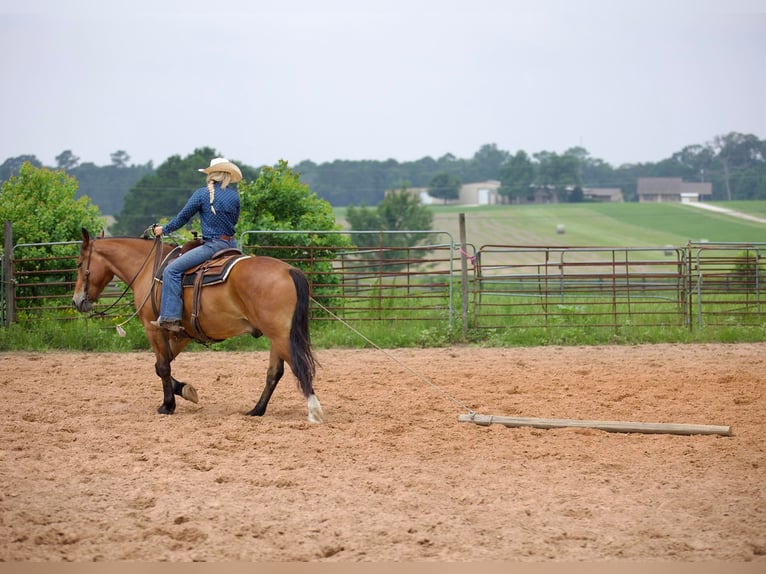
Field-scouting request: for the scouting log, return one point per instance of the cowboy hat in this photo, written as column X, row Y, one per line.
column 222, row 164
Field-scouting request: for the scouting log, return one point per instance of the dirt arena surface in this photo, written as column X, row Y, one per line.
column 90, row 472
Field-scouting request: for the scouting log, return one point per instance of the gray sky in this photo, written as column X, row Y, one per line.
column 404, row 79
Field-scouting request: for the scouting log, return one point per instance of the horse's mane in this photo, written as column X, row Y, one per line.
column 141, row 237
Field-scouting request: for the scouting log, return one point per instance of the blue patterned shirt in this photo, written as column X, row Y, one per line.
column 222, row 222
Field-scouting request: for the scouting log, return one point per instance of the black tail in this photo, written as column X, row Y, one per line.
column 302, row 360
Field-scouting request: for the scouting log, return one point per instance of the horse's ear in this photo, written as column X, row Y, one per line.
column 103, row 233
column 85, row 235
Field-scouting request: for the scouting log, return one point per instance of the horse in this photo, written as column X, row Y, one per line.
column 261, row 296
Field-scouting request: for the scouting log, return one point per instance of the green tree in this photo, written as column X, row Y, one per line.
column 279, row 201
column 67, row 160
column 41, row 206
column 444, row 186
column 12, row 165
column 487, row 163
column 560, row 173
column 400, row 211
column 740, row 156
column 120, row 158
column 517, row 177
column 108, row 185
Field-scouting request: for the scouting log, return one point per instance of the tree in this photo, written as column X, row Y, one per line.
column 695, row 160
column 278, row 201
column 558, row 172
column 737, row 153
column 399, row 211
column 108, row 185
column 67, row 160
column 444, row 186
column 12, row 165
column 517, row 177
column 120, row 158
column 41, row 206
column 487, row 163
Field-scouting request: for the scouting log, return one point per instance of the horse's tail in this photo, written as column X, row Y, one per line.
column 302, row 361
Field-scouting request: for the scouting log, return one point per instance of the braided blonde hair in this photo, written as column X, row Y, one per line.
column 222, row 177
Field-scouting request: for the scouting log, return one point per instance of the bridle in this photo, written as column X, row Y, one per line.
column 87, row 270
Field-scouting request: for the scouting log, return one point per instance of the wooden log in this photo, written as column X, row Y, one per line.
column 608, row 426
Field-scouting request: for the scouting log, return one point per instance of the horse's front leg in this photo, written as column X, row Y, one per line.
column 184, row 390
column 162, row 368
column 164, row 350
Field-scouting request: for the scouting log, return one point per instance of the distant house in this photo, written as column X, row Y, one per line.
column 671, row 189
column 604, row 194
column 480, row 193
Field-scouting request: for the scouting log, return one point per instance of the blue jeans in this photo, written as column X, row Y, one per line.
column 171, row 308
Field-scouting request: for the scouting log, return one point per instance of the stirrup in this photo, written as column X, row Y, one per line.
column 173, row 326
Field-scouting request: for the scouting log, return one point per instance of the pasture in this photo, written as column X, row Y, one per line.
column 91, row 472
column 599, row 224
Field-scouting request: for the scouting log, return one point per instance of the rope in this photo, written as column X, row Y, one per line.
column 120, row 331
column 390, row 356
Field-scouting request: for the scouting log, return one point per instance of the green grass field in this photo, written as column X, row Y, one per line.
column 598, row 224
column 757, row 208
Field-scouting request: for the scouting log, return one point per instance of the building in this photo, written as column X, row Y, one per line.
column 480, row 193
column 603, row 194
column 671, row 189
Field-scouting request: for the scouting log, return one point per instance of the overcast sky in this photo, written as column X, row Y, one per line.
column 404, row 79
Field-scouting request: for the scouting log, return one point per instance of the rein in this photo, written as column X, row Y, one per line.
column 156, row 250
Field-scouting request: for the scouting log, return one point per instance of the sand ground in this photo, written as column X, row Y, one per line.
column 90, row 472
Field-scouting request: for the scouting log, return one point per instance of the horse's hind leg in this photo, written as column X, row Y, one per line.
column 273, row 375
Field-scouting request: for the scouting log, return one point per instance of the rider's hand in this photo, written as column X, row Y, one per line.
column 157, row 230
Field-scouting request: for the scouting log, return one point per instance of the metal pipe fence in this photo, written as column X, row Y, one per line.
column 727, row 283
column 578, row 286
column 370, row 275
column 373, row 276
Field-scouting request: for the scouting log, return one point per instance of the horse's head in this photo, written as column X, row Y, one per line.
column 93, row 274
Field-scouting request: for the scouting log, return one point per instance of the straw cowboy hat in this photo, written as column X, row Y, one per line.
column 222, row 164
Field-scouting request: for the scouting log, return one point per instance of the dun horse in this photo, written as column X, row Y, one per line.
column 262, row 296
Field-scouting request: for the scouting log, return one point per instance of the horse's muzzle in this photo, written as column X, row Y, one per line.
column 82, row 303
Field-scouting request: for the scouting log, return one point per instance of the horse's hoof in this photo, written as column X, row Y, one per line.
column 189, row 393
column 163, row 410
column 316, row 415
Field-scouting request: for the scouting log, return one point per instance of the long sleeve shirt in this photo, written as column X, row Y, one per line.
column 222, row 222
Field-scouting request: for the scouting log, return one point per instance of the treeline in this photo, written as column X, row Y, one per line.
column 734, row 163
column 106, row 186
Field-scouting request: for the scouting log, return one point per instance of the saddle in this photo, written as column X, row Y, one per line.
column 211, row 272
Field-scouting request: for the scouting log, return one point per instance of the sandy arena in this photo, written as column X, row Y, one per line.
column 90, row 472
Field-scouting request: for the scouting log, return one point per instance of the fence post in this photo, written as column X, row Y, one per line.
column 464, row 273
column 10, row 291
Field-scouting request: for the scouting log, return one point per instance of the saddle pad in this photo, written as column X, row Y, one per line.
column 213, row 271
